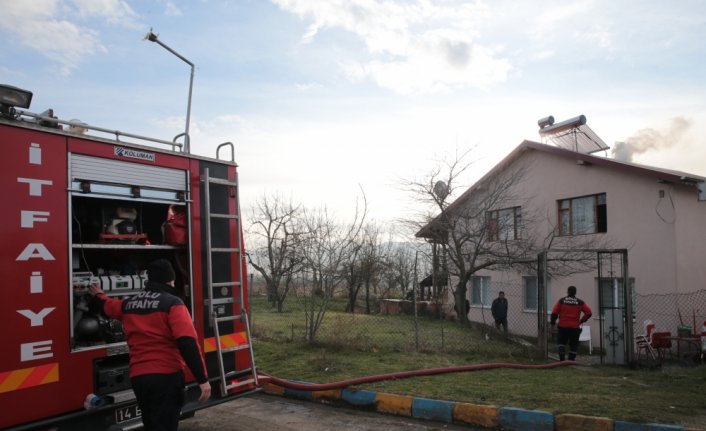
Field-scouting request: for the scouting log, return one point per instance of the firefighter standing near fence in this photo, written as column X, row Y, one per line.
column 572, row 313
column 162, row 341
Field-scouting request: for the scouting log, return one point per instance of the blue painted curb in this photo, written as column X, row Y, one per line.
column 297, row 393
column 359, row 398
column 510, row 418
column 525, row 420
column 433, row 409
column 630, row 426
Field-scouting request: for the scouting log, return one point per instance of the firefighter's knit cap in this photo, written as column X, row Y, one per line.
column 160, row 271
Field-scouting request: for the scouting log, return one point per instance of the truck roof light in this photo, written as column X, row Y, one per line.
column 11, row 97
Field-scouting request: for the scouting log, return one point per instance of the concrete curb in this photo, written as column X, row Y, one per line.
column 508, row 418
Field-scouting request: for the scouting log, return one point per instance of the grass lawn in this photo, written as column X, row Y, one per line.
column 349, row 348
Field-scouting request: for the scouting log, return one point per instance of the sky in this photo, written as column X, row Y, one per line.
column 325, row 100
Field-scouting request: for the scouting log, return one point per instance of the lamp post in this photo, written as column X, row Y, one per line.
column 153, row 38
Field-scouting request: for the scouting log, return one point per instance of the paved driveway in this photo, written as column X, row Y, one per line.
column 262, row 412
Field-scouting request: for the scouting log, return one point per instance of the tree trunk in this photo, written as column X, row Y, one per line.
column 272, row 294
column 460, row 297
column 352, row 298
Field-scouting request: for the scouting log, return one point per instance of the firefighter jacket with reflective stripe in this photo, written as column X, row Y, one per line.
column 568, row 309
column 154, row 320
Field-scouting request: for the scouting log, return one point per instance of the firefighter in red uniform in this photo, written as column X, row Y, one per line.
column 572, row 313
column 162, row 340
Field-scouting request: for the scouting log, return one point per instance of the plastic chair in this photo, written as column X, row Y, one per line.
column 586, row 336
column 662, row 343
column 643, row 342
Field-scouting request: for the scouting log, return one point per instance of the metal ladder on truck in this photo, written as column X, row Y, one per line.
column 216, row 318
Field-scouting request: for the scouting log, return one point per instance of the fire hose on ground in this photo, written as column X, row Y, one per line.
column 266, row 378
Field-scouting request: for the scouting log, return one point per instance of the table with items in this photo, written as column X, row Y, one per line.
column 688, row 348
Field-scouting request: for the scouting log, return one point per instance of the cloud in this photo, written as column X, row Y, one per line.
column 308, row 86
column 50, row 27
column 598, row 36
column 583, row 23
column 544, row 54
column 416, row 47
column 112, row 11
column 172, row 9
column 556, row 17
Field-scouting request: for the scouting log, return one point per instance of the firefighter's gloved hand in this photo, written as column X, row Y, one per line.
column 205, row 392
column 94, row 289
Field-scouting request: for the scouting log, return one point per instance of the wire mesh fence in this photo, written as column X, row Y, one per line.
column 521, row 300
column 391, row 325
column 410, row 325
column 677, row 313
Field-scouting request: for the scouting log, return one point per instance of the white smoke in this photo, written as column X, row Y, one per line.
column 650, row 139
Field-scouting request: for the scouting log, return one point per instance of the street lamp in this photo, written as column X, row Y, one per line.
column 153, row 38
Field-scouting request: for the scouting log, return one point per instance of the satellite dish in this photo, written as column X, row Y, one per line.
column 441, row 190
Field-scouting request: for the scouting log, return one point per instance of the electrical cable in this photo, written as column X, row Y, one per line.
column 671, row 200
column 80, row 238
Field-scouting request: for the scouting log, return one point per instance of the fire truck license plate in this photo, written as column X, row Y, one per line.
column 126, row 413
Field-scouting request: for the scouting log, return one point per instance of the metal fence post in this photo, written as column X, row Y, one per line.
column 414, row 304
column 542, row 344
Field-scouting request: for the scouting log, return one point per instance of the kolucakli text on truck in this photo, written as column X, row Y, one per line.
column 86, row 204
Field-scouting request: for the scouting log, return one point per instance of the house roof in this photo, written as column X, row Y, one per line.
column 429, row 279
column 659, row 174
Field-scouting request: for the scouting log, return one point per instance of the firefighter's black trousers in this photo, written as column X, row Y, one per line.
column 160, row 397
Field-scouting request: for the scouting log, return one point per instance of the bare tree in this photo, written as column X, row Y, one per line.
column 277, row 230
column 399, row 268
column 325, row 247
column 353, row 273
column 372, row 260
column 433, row 193
column 364, row 265
column 483, row 228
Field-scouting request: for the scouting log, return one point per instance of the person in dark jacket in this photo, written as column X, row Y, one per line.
column 162, row 340
column 499, row 311
column 572, row 313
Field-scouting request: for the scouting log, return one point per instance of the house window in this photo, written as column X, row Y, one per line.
column 583, row 215
column 480, row 291
column 504, row 225
column 530, row 294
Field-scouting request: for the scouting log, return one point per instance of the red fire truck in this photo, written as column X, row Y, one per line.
column 86, row 204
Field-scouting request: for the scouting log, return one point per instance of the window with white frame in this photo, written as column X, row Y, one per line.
column 504, row 224
column 480, row 291
column 529, row 286
column 583, row 215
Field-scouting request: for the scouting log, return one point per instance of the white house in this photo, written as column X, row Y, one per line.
column 570, row 199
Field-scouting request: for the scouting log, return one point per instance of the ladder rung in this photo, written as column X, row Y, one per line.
column 239, row 384
column 225, row 250
column 244, row 371
column 230, row 216
column 226, row 284
column 218, row 301
column 235, row 348
column 227, row 318
column 221, row 181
